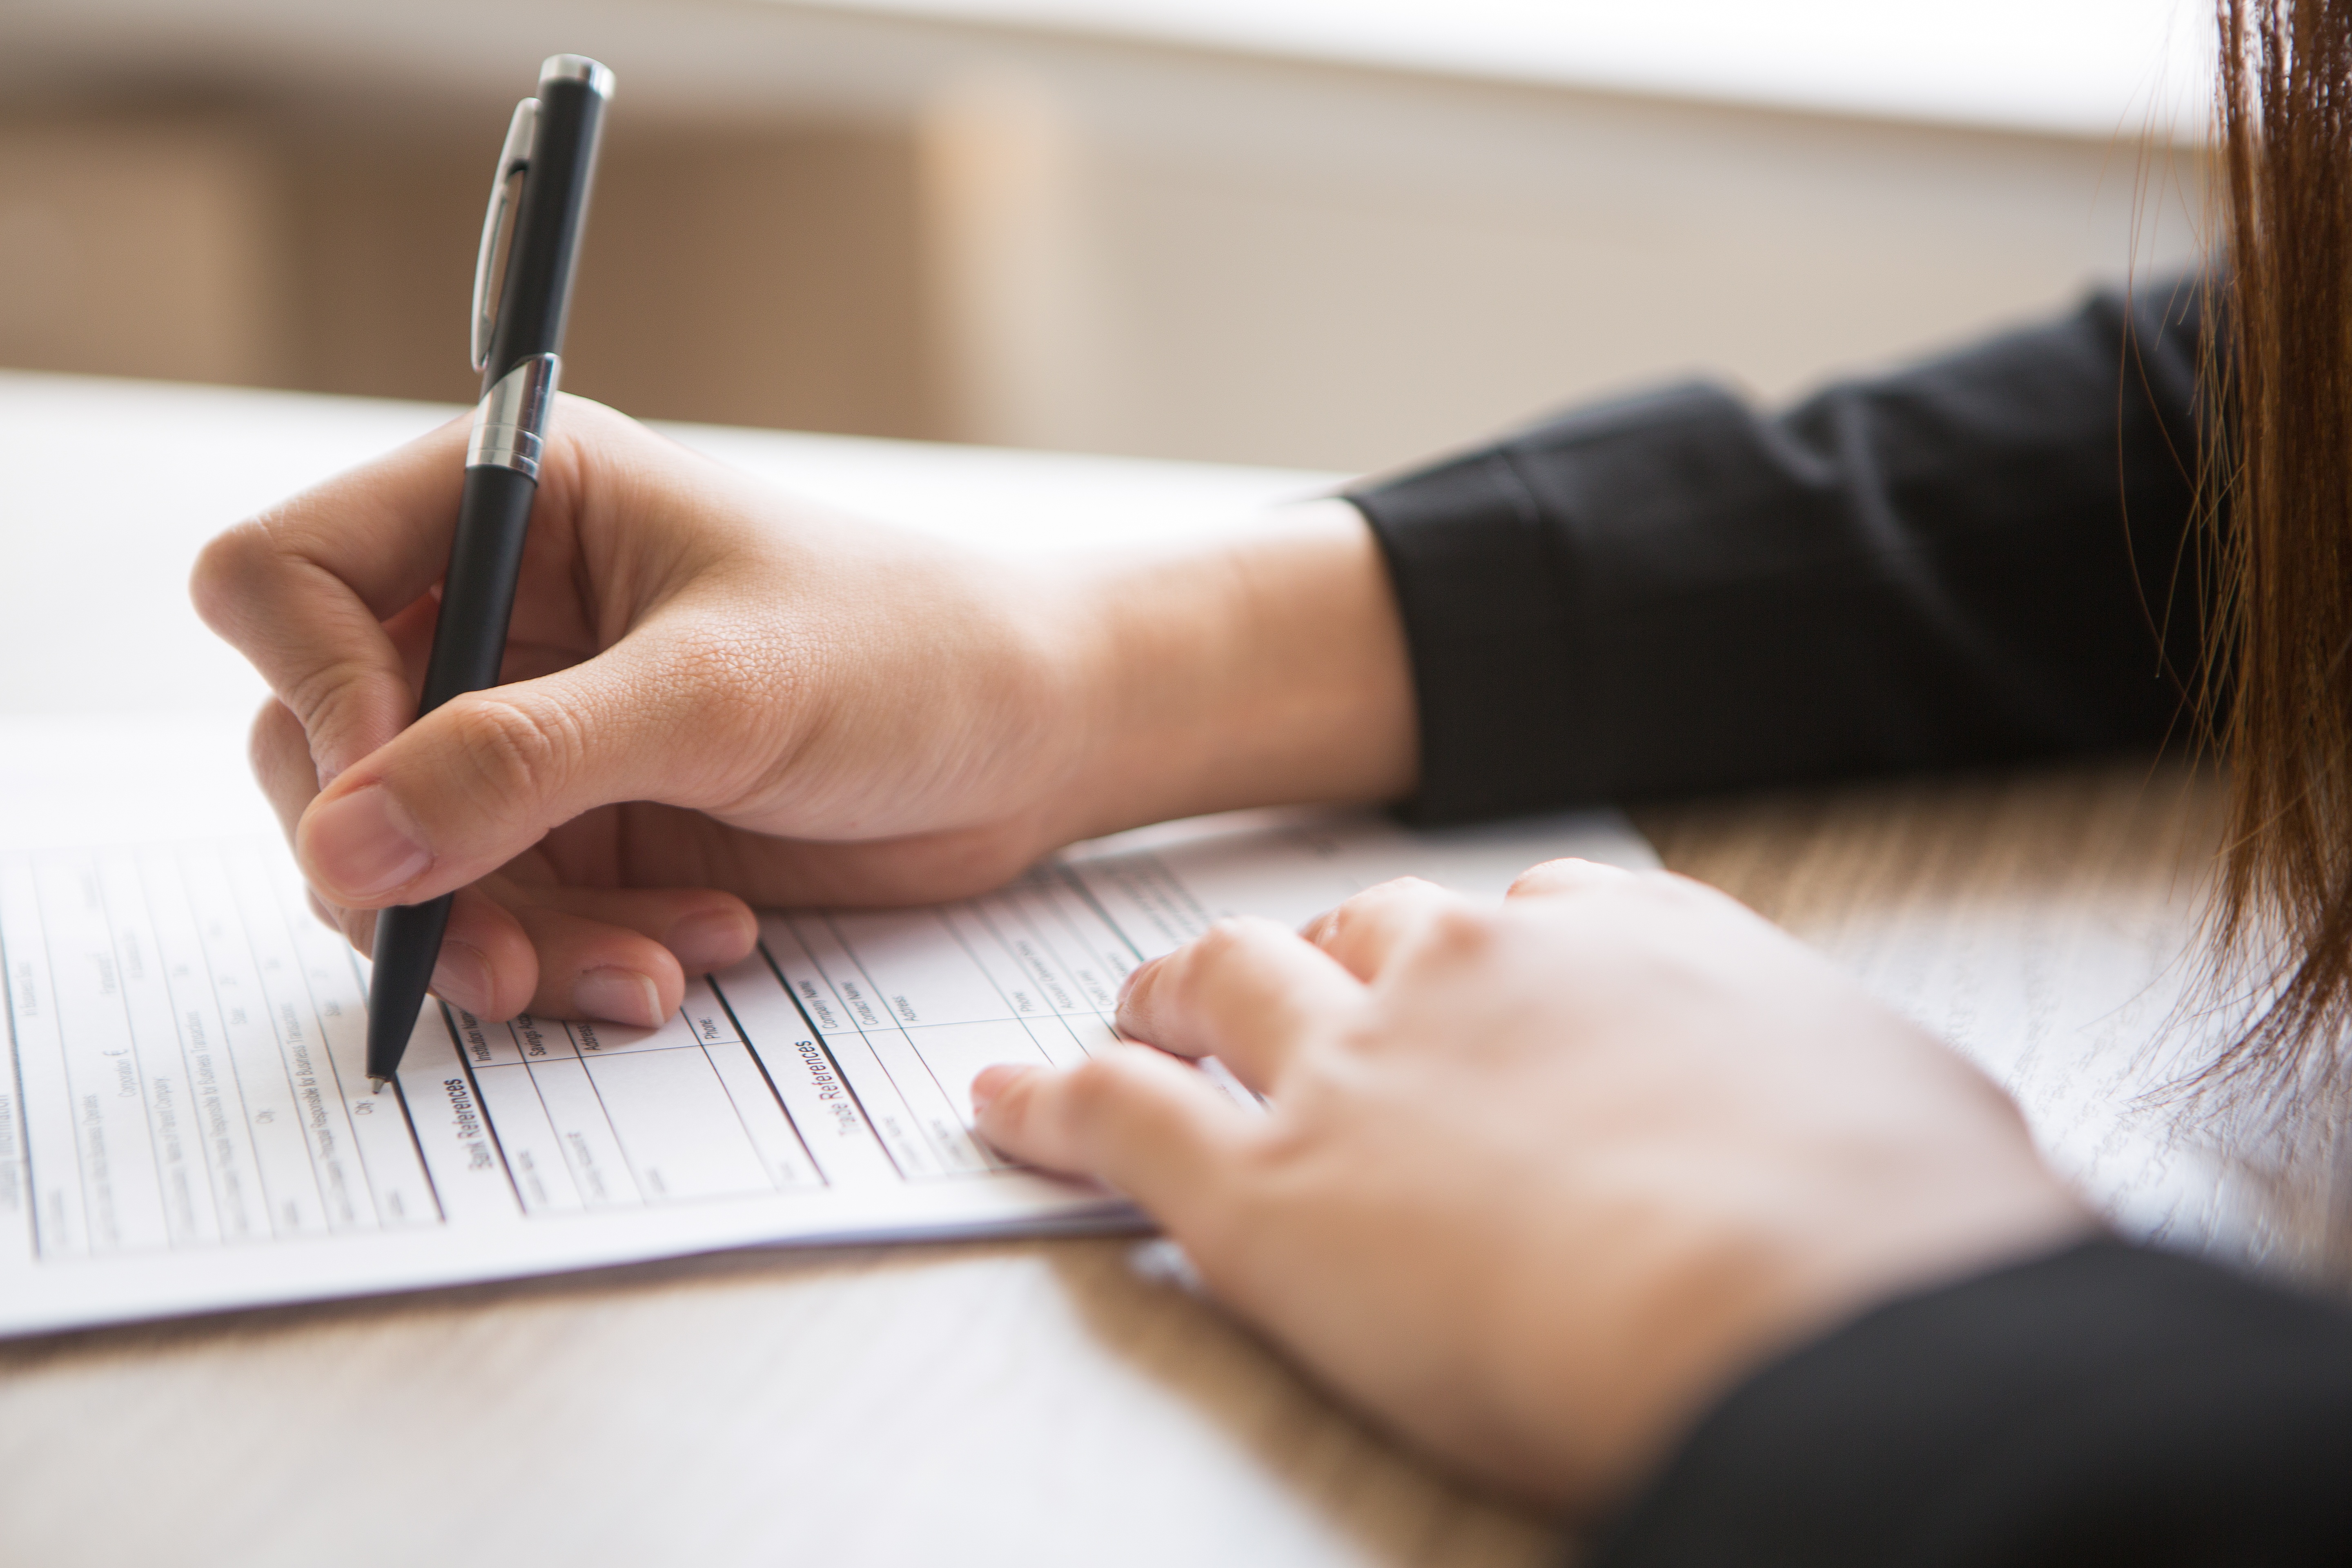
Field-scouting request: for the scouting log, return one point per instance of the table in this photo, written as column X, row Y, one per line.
column 1040, row 1403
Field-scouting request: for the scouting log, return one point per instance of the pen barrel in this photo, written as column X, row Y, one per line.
column 469, row 640
column 536, row 294
column 407, row 948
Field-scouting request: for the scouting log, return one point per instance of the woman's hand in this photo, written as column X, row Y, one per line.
column 1539, row 1181
column 716, row 695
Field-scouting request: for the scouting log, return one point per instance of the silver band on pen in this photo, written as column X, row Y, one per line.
column 510, row 422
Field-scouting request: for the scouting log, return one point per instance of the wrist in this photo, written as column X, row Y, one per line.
column 1736, row 1288
column 1265, row 668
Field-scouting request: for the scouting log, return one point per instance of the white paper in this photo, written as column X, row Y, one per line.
column 2082, row 1007
column 185, row 1125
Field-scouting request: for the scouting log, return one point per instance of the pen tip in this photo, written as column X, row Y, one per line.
column 379, row 1083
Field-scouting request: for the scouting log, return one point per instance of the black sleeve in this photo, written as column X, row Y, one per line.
column 2104, row 1404
column 1978, row 559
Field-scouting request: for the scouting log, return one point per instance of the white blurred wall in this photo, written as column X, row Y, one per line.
column 1031, row 235
column 138, row 245
column 1342, row 270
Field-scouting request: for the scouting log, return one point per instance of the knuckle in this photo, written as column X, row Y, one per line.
column 1098, row 1085
column 1382, row 896
column 1213, row 960
column 1221, row 942
column 1545, row 873
column 315, row 695
column 273, row 729
column 517, row 747
column 1460, row 930
column 275, row 748
column 1234, row 934
column 1226, row 929
column 224, row 569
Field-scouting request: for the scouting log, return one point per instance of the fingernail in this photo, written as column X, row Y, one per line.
column 990, row 1083
column 364, row 844
column 1134, row 978
column 710, row 940
column 623, row 995
column 463, row 975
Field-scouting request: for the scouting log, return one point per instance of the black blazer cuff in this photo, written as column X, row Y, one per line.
column 2107, row 1403
column 1498, row 595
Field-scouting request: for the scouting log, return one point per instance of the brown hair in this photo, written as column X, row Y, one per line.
column 2278, row 679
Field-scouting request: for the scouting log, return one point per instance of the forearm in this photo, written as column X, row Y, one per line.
column 1265, row 668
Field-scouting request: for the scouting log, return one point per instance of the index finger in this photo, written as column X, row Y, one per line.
column 1247, row 991
column 303, row 590
column 1153, row 1127
column 1364, row 933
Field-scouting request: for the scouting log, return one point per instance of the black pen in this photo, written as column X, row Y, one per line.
column 550, row 150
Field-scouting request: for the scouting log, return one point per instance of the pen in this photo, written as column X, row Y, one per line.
column 549, row 152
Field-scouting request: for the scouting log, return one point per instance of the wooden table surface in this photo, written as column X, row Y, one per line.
column 1043, row 1403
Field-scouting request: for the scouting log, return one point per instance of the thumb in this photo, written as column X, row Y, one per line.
column 486, row 775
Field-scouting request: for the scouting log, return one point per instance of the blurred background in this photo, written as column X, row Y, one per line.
column 1332, row 234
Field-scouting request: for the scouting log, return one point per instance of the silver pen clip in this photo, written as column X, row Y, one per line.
column 522, row 131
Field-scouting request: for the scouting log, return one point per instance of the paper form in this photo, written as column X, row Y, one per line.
column 185, row 1125
column 2073, row 1006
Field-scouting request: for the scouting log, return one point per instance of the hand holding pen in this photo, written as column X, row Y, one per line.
column 719, row 697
